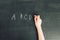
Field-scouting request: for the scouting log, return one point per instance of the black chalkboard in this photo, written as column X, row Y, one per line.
column 16, row 20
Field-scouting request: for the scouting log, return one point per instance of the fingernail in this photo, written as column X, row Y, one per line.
column 38, row 15
column 34, row 15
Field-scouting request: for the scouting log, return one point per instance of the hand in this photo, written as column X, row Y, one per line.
column 38, row 21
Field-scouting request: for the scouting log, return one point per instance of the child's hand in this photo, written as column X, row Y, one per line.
column 38, row 21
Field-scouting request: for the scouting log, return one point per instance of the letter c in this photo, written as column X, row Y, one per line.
column 25, row 16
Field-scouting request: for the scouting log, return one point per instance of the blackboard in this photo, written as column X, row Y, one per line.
column 16, row 19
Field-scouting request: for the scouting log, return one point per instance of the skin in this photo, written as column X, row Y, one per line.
column 38, row 22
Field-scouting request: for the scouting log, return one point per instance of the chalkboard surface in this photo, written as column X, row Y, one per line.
column 16, row 19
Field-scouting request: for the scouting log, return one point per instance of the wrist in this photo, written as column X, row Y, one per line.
column 38, row 27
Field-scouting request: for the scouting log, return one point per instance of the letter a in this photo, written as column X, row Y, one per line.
column 13, row 17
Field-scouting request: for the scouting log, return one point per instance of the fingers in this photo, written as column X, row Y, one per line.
column 36, row 17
